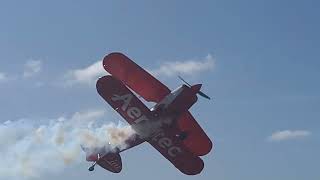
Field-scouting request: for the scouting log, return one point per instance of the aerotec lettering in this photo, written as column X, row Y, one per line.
column 138, row 117
column 133, row 112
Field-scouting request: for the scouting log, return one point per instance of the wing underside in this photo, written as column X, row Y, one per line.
column 197, row 140
column 173, row 149
column 122, row 99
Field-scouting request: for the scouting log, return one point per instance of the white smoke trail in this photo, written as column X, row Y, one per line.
column 30, row 149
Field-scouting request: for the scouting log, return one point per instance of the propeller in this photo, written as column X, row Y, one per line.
column 189, row 85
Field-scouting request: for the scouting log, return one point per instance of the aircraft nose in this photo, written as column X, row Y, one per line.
column 196, row 88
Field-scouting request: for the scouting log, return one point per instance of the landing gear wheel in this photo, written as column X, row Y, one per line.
column 91, row 168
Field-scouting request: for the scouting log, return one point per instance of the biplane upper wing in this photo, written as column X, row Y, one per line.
column 197, row 141
column 172, row 148
column 135, row 77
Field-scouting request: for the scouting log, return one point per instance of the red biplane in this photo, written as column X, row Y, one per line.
column 168, row 126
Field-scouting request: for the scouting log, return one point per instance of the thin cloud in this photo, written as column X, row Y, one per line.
column 3, row 77
column 31, row 68
column 188, row 67
column 87, row 75
column 288, row 135
column 86, row 116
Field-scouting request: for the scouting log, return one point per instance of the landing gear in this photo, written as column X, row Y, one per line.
column 91, row 168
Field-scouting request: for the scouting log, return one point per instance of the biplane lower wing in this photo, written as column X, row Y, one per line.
column 172, row 148
column 122, row 100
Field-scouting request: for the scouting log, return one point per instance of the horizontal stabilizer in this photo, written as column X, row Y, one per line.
column 111, row 162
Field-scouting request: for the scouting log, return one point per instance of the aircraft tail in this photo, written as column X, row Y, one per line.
column 111, row 162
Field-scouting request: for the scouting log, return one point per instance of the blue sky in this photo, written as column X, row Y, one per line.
column 263, row 76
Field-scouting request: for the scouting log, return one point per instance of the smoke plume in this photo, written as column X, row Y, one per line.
column 32, row 148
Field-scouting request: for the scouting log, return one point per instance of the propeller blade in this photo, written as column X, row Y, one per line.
column 204, row 95
column 184, row 81
column 200, row 93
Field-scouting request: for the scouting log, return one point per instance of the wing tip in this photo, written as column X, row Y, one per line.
column 115, row 63
column 114, row 54
column 194, row 168
column 205, row 149
column 111, row 56
column 209, row 147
